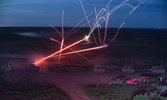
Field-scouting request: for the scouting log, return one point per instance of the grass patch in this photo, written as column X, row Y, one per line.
column 28, row 90
column 113, row 92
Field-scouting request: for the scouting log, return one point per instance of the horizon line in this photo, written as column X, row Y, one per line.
column 75, row 27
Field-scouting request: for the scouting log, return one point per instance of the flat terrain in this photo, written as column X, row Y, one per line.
column 130, row 47
column 73, row 83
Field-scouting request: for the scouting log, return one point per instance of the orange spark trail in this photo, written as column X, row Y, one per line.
column 77, row 29
column 55, row 29
column 98, row 27
column 105, row 34
column 62, row 42
column 94, row 39
column 75, row 43
column 85, row 13
column 117, row 32
column 133, row 9
column 95, row 24
column 83, row 50
column 62, row 24
column 78, row 24
column 55, row 40
column 88, row 21
column 69, row 48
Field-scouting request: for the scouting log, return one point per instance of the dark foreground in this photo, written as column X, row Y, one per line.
column 25, row 89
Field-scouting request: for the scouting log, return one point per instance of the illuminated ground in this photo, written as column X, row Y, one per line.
column 72, row 83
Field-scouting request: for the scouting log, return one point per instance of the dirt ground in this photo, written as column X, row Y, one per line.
column 72, row 83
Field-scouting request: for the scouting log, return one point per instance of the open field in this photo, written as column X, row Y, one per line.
column 112, row 92
column 140, row 47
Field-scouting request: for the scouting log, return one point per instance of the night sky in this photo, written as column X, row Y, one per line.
column 36, row 13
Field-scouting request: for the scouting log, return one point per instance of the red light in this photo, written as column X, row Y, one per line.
column 143, row 77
